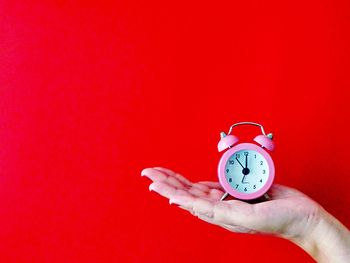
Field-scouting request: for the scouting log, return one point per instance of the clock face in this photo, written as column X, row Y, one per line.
column 247, row 171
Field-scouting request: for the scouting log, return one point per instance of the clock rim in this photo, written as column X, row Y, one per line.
column 222, row 165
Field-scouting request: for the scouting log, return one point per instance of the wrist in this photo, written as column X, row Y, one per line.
column 327, row 241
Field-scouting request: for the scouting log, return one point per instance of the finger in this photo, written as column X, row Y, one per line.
column 212, row 194
column 167, row 186
column 162, row 188
column 186, row 183
column 175, row 182
column 209, row 193
column 184, row 208
column 179, row 177
column 215, row 185
column 215, row 194
column 156, row 175
column 167, row 190
column 196, row 204
column 153, row 174
column 195, row 189
column 201, row 187
column 197, row 192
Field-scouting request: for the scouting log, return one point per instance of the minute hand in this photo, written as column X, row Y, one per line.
column 240, row 163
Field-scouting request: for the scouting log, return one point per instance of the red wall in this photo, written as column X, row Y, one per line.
column 91, row 92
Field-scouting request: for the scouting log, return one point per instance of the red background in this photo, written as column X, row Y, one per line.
column 91, row 92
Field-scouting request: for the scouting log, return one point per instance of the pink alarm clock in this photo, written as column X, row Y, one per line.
column 246, row 170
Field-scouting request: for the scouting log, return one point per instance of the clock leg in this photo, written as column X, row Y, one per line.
column 267, row 197
column 224, row 197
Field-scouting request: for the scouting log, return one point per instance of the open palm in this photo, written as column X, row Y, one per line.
column 288, row 214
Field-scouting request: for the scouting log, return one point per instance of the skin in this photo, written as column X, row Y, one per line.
column 289, row 214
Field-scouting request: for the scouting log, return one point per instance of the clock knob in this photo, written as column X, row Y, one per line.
column 226, row 141
column 265, row 141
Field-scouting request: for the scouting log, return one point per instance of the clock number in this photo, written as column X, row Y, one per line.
column 245, row 189
column 246, row 153
column 236, row 186
column 227, row 170
column 231, row 162
column 254, row 186
column 261, row 162
column 230, row 180
column 264, row 172
column 260, row 180
column 255, row 156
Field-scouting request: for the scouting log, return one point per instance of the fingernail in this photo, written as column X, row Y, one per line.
column 151, row 188
column 173, row 201
column 143, row 172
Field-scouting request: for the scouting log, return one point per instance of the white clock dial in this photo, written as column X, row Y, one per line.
column 247, row 171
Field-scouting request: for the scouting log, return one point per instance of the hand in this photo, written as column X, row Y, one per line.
column 290, row 214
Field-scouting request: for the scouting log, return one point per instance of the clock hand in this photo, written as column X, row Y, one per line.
column 243, row 182
column 240, row 163
column 245, row 170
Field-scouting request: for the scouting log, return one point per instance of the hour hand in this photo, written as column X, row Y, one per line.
column 243, row 182
column 240, row 163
